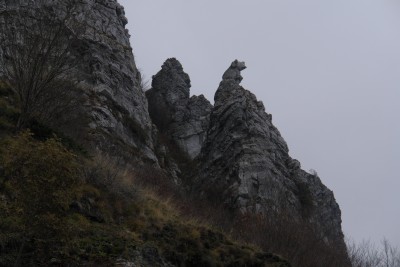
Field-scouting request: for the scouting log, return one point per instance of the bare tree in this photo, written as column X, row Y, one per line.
column 366, row 254
column 37, row 63
column 390, row 254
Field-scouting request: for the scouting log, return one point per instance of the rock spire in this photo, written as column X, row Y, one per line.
column 182, row 118
column 246, row 160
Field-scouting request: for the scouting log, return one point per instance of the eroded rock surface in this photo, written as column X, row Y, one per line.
column 246, row 159
column 182, row 118
column 119, row 122
column 241, row 154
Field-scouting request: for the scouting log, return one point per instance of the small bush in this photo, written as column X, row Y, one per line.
column 39, row 178
column 367, row 254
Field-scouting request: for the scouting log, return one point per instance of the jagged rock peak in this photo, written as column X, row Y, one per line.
column 230, row 86
column 245, row 159
column 233, row 72
column 182, row 118
column 172, row 79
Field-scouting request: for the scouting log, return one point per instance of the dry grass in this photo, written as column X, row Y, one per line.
column 184, row 228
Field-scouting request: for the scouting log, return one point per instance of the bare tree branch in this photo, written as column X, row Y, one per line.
column 366, row 254
column 37, row 63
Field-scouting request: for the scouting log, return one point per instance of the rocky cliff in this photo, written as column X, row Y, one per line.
column 237, row 156
column 119, row 122
column 182, row 118
column 243, row 161
column 247, row 160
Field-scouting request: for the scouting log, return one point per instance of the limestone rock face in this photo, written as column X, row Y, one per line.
column 116, row 105
column 246, row 159
column 233, row 72
column 182, row 118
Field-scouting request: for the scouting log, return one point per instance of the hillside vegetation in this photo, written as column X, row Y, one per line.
column 62, row 206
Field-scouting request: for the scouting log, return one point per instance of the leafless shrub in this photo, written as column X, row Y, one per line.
column 279, row 233
column 156, row 180
column 391, row 254
column 276, row 232
column 367, row 254
column 37, row 63
column 144, row 83
column 293, row 239
column 107, row 173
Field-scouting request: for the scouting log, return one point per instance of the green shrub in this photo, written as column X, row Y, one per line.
column 41, row 178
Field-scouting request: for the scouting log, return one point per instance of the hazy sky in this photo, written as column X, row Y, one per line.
column 328, row 72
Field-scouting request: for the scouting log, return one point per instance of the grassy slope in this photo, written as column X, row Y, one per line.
column 110, row 218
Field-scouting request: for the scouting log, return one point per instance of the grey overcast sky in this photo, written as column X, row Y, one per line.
column 328, row 72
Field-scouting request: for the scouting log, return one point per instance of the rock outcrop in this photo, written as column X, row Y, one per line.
column 182, row 118
column 240, row 154
column 247, row 161
column 119, row 122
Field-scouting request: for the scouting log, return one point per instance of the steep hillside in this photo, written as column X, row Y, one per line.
column 59, row 207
